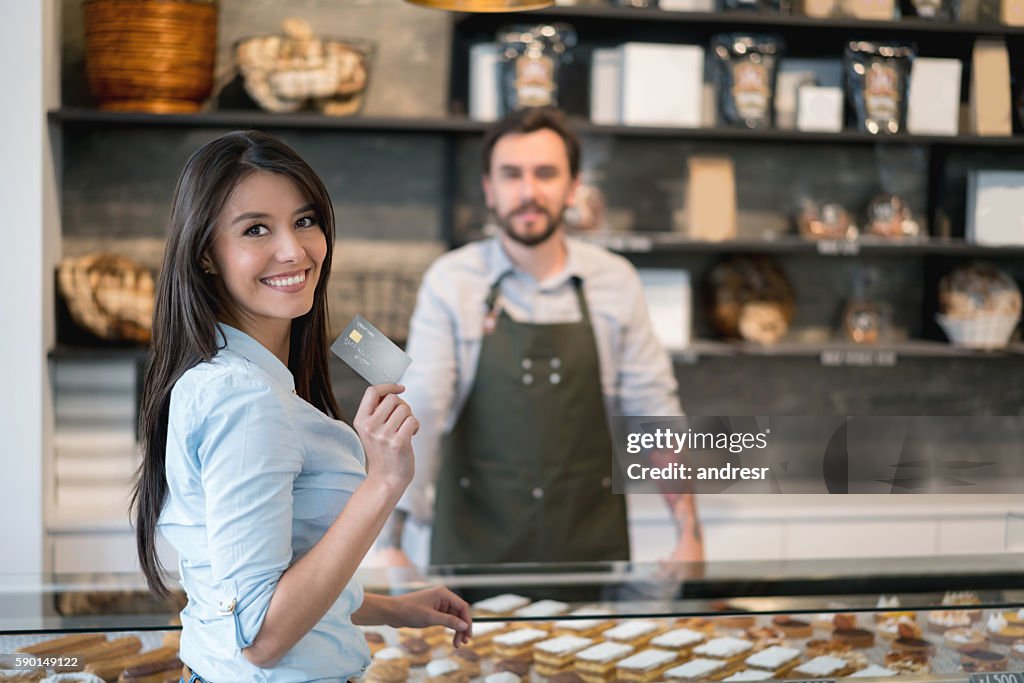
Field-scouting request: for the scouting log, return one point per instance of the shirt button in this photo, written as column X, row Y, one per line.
column 362, row 668
column 538, row 493
column 226, row 607
column 527, row 379
column 555, row 378
column 464, row 482
column 606, row 482
column 527, row 364
column 556, row 363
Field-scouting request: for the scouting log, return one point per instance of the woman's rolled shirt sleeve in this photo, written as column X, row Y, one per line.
column 250, row 455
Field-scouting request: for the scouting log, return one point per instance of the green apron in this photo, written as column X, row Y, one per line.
column 526, row 471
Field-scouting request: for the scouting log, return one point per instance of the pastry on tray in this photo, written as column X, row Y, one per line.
column 777, row 659
column 500, row 605
column 697, row 670
column 557, row 654
column 596, row 664
column 645, row 666
column 637, row 632
column 445, row 670
column 518, row 643
column 727, row 648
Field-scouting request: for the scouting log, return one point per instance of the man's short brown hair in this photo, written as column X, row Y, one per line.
column 529, row 120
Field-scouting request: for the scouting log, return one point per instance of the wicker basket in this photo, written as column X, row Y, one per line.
column 152, row 56
column 108, row 295
column 980, row 332
column 296, row 69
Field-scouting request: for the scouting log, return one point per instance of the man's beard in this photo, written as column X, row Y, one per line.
column 529, row 240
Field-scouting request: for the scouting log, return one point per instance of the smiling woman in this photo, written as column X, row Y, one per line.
column 267, row 252
column 248, row 471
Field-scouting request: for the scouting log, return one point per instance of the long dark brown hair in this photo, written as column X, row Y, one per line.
column 189, row 304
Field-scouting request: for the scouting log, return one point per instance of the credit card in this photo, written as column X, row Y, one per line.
column 366, row 350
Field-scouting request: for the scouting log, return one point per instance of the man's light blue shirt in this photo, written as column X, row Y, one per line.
column 255, row 477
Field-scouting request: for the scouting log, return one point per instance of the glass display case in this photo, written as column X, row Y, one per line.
column 957, row 618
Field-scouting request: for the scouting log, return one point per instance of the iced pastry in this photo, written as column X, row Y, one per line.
column 518, row 643
column 500, row 605
column 597, row 663
column 749, row 675
column 445, row 671
column 645, row 666
column 777, row 659
column 556, row 655
column 678, row 639
column 484, row 633
column 727, row 648
column 637, row 632
column 825, row 665
column 874, row 671
column 542, row 609
column 588, row 628
column 696, row 670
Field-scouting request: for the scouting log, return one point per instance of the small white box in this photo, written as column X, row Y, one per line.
column 934, row 107
column 820, row 109
column 667, row 292
column 662, row 85
column 995, row 208
column 606, row 86
column 484, row 95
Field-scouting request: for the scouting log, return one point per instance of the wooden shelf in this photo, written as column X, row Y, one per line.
column 742, row 18
column 839, row 353
column 655, row 242
column 78, row 116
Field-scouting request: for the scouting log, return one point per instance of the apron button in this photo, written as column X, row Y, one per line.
column 527, row 364
column 555, row 378
column 538, row 493
column 464, row 482
column 556, row 363
column 606, row 482
column 527, row 379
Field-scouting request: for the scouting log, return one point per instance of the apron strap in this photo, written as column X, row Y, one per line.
column 577, row 282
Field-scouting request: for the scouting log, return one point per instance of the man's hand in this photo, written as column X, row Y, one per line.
column 432, row 607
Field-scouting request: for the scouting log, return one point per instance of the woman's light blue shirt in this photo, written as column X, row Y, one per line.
column 255, row 477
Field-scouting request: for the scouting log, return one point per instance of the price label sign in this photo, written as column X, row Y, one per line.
column 838, row 248
column 1000, row 677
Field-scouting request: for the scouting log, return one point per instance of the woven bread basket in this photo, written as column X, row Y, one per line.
column 153, row 56
column 109, row 295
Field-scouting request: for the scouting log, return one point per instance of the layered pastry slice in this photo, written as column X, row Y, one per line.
column 637, row 632
column 725, row 648
column 556, row 655
column 518, row 644
column 697, row 670
column 748, row 675
column 596, row 664
column 823, row 665
column 645, row 666
column 542, row 609
column 777, row 659
column 445, row 671
column 599, row 622
column 874, row 671
column 500, row 605
column 681, row 640
column 484, row 633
